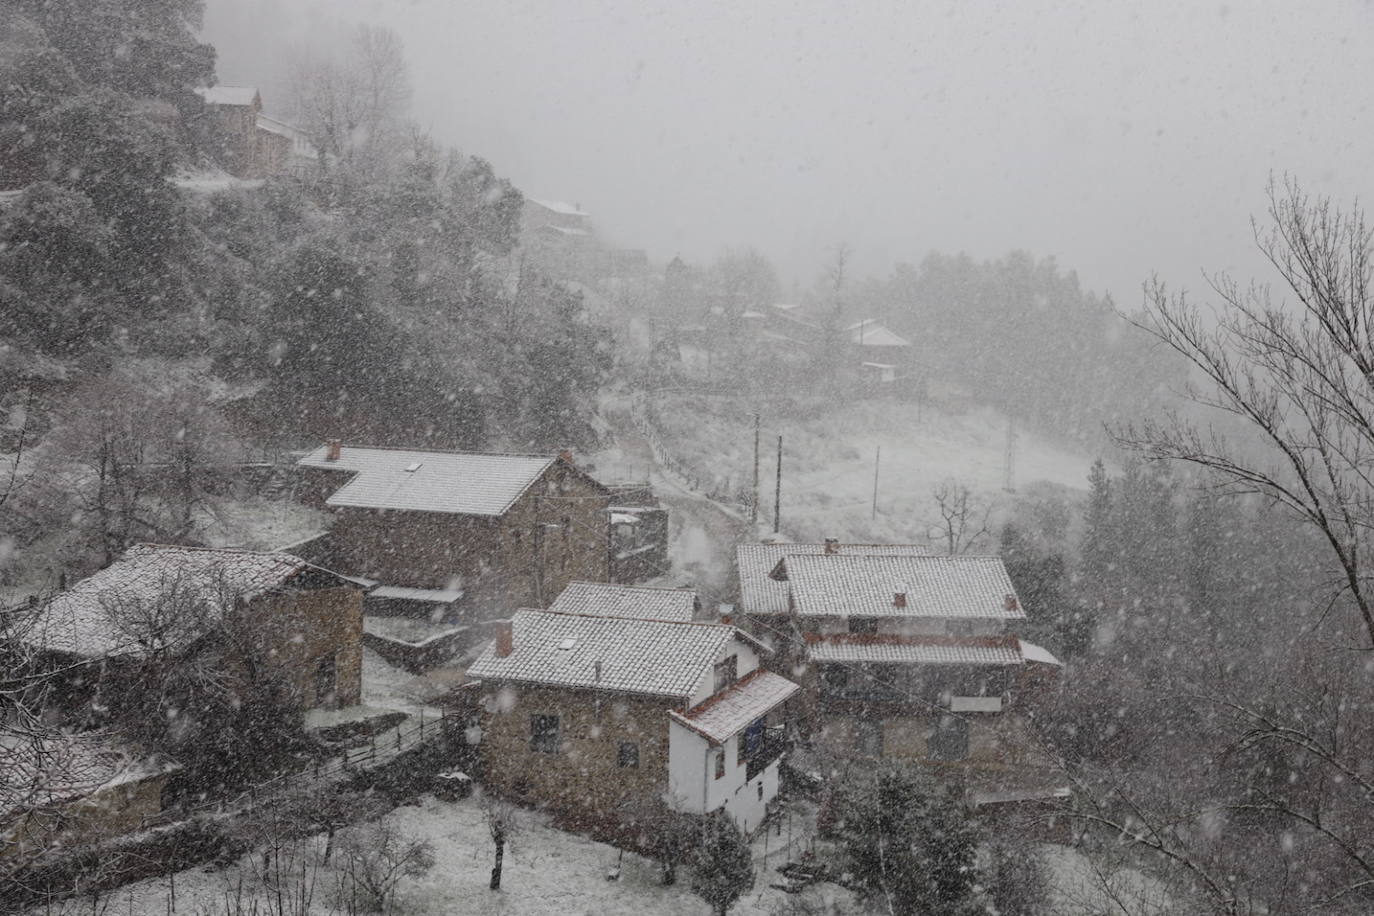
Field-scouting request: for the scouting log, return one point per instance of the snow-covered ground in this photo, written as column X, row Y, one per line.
column 261, row 524
column 829, row 457
column 547, row 871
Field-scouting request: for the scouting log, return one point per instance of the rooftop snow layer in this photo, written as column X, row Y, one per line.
column 867, row 586
column 760, row 594
column 228, row 95
column 461, row 483
column 656, row 657
column 599, row 599
column 113, row 611
column 871, row 333
column 733, row 710
column 915, row 650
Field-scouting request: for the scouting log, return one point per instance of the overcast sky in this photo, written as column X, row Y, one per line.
column 1121, row 138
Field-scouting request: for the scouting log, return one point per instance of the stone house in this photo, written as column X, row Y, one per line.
column 600, row 717
column 459, row 535
column 638, row 534
column 303, row 621
column 908, row 656
column 67, row 790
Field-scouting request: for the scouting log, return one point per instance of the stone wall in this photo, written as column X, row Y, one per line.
column 584, row 776
column 296, row 630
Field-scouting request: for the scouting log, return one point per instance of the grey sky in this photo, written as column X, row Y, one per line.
column 1121, row 138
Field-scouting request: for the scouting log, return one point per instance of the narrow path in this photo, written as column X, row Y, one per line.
column 702, row 535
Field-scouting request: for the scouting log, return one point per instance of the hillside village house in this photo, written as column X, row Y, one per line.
column 909, row 656
column 459, row 535
column 303, row 621
column 250, row 143
column 66, row 790
column 598, row 717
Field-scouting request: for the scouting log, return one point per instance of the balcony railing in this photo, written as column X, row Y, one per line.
column 771, row 748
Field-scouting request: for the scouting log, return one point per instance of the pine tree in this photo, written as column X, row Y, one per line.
column 723, row 868
column 910, row 847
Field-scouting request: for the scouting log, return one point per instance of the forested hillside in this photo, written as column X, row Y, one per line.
column 149, row 316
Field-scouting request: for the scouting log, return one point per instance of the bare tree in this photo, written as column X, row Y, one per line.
column 503, row 824
column 1298, row 373
column 377, row 858
column 963, row 516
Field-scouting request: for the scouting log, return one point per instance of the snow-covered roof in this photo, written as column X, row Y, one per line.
column 228, row 95
column 435, row 595
column 867, row 586
column 57, row 768
column 760, row 594
column 559, row 207
column 461, row 483
column 113, row 611
column 733, row 710
column 600, row 599
column 283, row 128
column 873, row 333
column 1034, row 653
column 914, row 650
column 625, row 654
column 786, row 306
column 563, row 230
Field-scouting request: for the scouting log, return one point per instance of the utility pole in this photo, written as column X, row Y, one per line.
column 876, row 459
column 777, row 495
column 754, row 512
column 1009, row 481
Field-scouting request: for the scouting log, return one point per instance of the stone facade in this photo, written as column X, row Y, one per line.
column 314, row 637
column 584, row 775
column 556, row 532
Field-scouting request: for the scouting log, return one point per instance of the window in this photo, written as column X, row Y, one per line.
column 727, row 672
column 836, row 677
column 866, row 625
column 949, row 741
column 720, row 764
column 326, row 678
column 544, row 734
column 629, row 754
column 741, row 750
column 871, row 738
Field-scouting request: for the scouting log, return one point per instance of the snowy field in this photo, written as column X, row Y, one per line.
column 829, row 456
column 546, row 871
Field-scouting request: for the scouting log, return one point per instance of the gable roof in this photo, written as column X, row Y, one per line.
column 940, row 587
column 873, row 333
column 923, row 650
column 51, row 769
column 459, row 483
column 229, row 95
column 100, row 615
column 559, row 207
column 760, row 594
column 602, row 599
column 654, row 657
column 734, row 709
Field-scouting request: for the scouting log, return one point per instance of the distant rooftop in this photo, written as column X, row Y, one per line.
column 873, row 333
column 560, row 207
column 760, row 594
column 229, row 95
column 868, row 586
column 604, row 600
column 924, row 650
column 103, row 615
column 460, row 483
column 654, row 657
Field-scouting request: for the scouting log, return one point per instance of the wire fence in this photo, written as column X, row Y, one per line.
column 718, row 489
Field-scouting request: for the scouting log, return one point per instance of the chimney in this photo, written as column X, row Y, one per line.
column 566, row 456
column 899, row 599
column 1011, row 604
column 832, row 546
column 332, row 449
column 505, row 639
